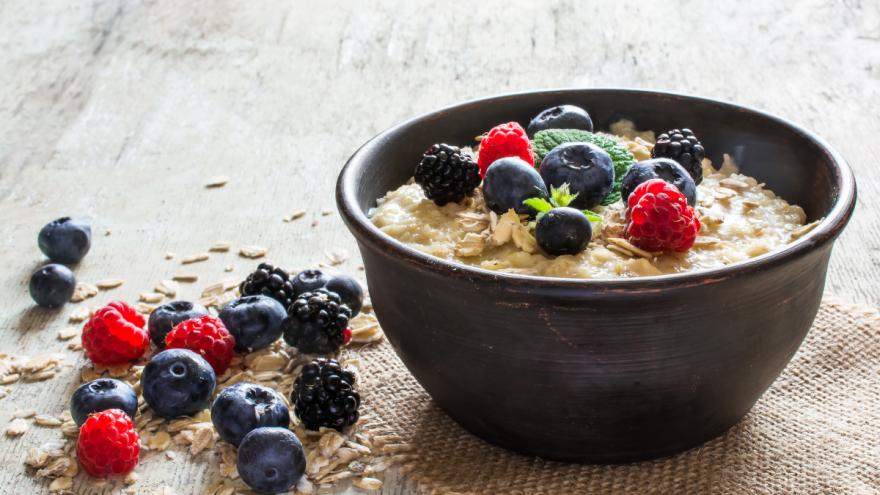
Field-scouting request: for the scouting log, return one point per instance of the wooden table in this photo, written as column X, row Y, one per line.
column 119, row 112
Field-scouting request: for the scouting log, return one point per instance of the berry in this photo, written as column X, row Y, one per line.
column 307, row 281
column 659, row 168
column 561, row 117
column 102, row 394
column 563, row 231
column 166, row 316
column 177, row 382
column 244, row 407
column 115, row 334
column 682, row 146
column 323, row 395
column 659, row 218
column 271, row 459
column 254, row 321
column 108, row 444
column 65, row 240
column 585, row 167
column 503, row 141
column 509, row 182
column 270, row 281
column 446, row 174
column 317, row 322
column 206, row 336
column 349, row 291
column 52, row 285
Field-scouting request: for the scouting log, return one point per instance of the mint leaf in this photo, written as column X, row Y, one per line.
column 593, row 216
column 539, row 204
column 561, row 196
column 544, row 141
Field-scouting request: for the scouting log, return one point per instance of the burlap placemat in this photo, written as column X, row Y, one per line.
column 817, row 430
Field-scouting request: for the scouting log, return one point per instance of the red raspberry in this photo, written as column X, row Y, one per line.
column 504, row 140
column 206, row 336
column 659, row 218
column 115, row 334
column 108, row 444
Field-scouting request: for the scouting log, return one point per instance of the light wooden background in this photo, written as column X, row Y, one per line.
column 118, row 111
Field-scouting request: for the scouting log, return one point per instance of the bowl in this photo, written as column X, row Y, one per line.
column 611, row 370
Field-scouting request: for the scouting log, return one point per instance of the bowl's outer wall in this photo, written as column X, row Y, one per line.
column 586, row 373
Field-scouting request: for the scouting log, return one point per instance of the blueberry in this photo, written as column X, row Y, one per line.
column 563, row 231
column 271, row 459
column 65, row 240
column 561, row 117
column 349, row 290
column 100, row 395
column 586, row 168
column 52, row 285
column 166, row 316
column 177, row 382
column 254, row 321
column 659, row 168
column 246, row 406
column 510, row 181
column 309, row 280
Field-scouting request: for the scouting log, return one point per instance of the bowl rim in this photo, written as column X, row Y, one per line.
column 365, row 231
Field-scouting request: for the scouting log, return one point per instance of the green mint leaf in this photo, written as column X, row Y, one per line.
column 562, row 195
column 540, row 205
column 593, row 216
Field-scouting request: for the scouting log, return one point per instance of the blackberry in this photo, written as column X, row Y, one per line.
column 317, row 322
column 447, row 174
column 682, row 146
column 270, row 281
column 323, row 395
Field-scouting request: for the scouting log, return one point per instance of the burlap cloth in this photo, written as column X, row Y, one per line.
column 817, row 430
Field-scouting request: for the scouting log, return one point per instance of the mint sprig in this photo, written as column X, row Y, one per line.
column 559, row 197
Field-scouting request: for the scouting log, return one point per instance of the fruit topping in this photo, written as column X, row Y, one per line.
column 207, row 337
column 114, row 335
column 317, row 322
column 52, row 285
column 271, row 460
column 447, row 174
column 505, row 140
column 108, row 444
column 509, row 182
column 659, row 218
column 563, row 231
column 659, row 168
column 307, row 281
column 561, row 117
column 102, row 394
column 586, row 168
column 682, row 146
column 270, row 281
column 323, row 395
column 166, row 316
column 243, row 407
column 177, row 382
column 349, row 291
column 254, row 321
column 65, row 240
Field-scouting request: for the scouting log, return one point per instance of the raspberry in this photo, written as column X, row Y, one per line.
column 505, row 140
column 108, row 444
column 206, row 336
column 115, row 335
column 659, row 218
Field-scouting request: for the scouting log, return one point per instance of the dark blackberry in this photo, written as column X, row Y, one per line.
column 682, row 146
column 323, row 395
column 271, row 281
column 447, row 174
column 317, row 322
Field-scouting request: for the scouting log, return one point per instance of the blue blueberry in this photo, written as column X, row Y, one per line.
column 586, row 168
column 349, row 290
column 561, row 117
column 254, row 321
column 563, row 231
column 659, row 168
column 510, row 181
column 65, row 240
column 100, row 395
column 177, row 382
column 246, row 406
column 166, row 316
column 309, row 280
column 271, row 459
column 52, row 285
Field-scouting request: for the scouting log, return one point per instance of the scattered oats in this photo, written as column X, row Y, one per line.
column 330, row 443
column 185, row 277
column 337, row 256
column 170, row 455
column 326, row 213
column 298, row 214
column 70, row 429
column 24, row 413
column 68, row 333
column 16, row 427
column 61, row 484
column 705, row 241
column 168, row 287
column 151, row 297
column 109, row 283
column 47, row 420
column 145, row 308
column 79, row 314
column 169, row 255
column 626, row 245
column 42, row 375
column 213, row 289
column 803, row 230
column 217, row 181
column 88, row 374
column 368, row 483
column 305, row 486
column 36, row 458
column 619, row 250
column 734, row 183
column 252, row 252
column 202, row 438
column 195, row 258
column 207, row 301
column 750, row 204
column 268, row 362
column 83, row 291
column 107, row 232
column 220, row 247
column 228, row 268
column 131, row 478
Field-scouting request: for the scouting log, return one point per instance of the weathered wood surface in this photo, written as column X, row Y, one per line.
column 118, row 111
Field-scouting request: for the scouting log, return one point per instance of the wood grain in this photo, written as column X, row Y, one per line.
column 120, row 111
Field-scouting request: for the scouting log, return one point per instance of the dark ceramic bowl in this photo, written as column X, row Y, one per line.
column 601, row 370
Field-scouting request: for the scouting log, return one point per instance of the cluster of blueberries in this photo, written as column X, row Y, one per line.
column 65, row 242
